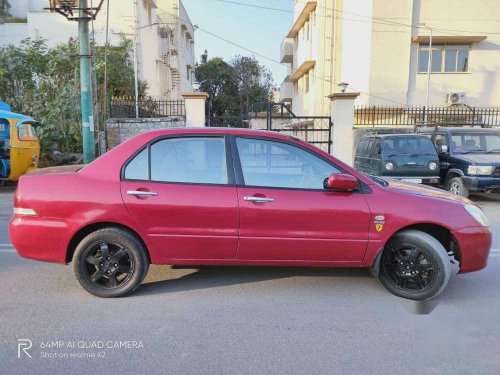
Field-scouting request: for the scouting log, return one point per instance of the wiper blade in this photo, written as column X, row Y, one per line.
column 492, row 151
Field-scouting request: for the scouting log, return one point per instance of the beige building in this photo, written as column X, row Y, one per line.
column 165, row 37
column 381, row 49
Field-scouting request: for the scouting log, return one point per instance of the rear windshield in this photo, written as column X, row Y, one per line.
column 407, row 146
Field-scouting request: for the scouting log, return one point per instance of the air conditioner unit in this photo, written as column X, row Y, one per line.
column 455, row 98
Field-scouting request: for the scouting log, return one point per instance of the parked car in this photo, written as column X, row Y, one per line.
column 220, row 196
column 469, row 158
column 408, row 157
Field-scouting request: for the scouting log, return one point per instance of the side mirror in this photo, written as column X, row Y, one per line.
column 341, row 182
column 443, row 149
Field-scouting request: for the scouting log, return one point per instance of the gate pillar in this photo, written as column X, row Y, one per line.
column 195, row 108
column 342, row 112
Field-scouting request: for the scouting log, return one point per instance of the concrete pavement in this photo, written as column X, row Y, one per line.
column 244, row 320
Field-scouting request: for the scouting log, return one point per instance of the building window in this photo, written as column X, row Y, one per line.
column 447, row 58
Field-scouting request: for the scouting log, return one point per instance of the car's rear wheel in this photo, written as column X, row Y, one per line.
column 456, row 186
column 110, row 262
column 414, row 265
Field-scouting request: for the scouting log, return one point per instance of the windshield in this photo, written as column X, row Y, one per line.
column 466, row 143
column 27, row 131
column 410, row 145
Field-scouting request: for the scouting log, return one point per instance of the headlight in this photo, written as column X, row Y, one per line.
column 433, row 166
column 389, row 166
column 480, row 170
column 477, row 214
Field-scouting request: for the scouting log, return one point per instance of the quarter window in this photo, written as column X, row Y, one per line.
column 277, row 164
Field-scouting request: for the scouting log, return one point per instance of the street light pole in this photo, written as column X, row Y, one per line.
column 86, row 87
column 136, row 62
column 429, row 67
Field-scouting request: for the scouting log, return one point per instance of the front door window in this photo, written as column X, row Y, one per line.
column 280, row 165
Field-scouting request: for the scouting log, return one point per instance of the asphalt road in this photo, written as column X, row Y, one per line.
column 245, row 320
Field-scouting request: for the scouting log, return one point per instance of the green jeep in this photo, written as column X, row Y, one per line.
column 408, row 157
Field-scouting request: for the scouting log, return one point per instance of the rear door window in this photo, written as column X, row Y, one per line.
column 189, row 160
column 196, row 160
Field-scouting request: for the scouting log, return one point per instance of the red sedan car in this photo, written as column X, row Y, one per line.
column 206, row 196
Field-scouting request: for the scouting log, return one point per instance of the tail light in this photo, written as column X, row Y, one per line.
column 18, row 209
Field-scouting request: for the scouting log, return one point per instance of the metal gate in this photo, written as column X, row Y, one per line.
column 278, row 117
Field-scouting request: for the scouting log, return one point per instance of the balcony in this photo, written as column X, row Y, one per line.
column 309, row 7
column 302, row 70
column 286, row 55
column 286, row 90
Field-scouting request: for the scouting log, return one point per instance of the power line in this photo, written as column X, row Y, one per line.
column 197, row 27
column 394, row 22
column 381, row 21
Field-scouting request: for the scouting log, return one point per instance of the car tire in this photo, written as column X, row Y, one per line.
column 414, row 265
column 110, row 262
column 456, row 186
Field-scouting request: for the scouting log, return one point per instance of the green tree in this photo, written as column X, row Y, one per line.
column 254, row 82
column 234, row 87
column 45, row 84
column 4, row 9
column 216, row 77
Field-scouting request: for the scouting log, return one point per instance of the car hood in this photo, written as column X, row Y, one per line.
column 424, row 190
column 490, row 159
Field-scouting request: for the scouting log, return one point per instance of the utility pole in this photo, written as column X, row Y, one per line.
column 79, row 10
column 86, row 88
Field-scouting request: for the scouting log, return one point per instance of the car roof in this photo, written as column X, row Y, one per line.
column 223, row 130
column 461, row 129
column 394, row 135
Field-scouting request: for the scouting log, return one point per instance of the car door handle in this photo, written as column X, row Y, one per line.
column 139, row 193
column 258, row 199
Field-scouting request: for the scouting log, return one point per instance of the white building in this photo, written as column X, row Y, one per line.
column 380, row 48
column 165, row 37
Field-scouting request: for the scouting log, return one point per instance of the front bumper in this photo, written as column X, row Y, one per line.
column 428, row 180
column 474, row 245
column 478, row 183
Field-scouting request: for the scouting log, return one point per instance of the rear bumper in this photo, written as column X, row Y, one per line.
column 474, row 244
column 481, row 183
column 38, row 238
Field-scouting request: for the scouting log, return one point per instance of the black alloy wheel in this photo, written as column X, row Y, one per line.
column 110, row 262
column 414, row 265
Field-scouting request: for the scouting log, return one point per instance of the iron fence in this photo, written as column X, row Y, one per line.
column 147, row 108
column 412, row 116
column 316, row 130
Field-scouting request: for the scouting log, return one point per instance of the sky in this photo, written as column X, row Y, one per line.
column 257, row 29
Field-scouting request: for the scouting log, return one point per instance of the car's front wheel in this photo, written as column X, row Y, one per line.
column 414, row 265
column 110, row 262
column 456, row 186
